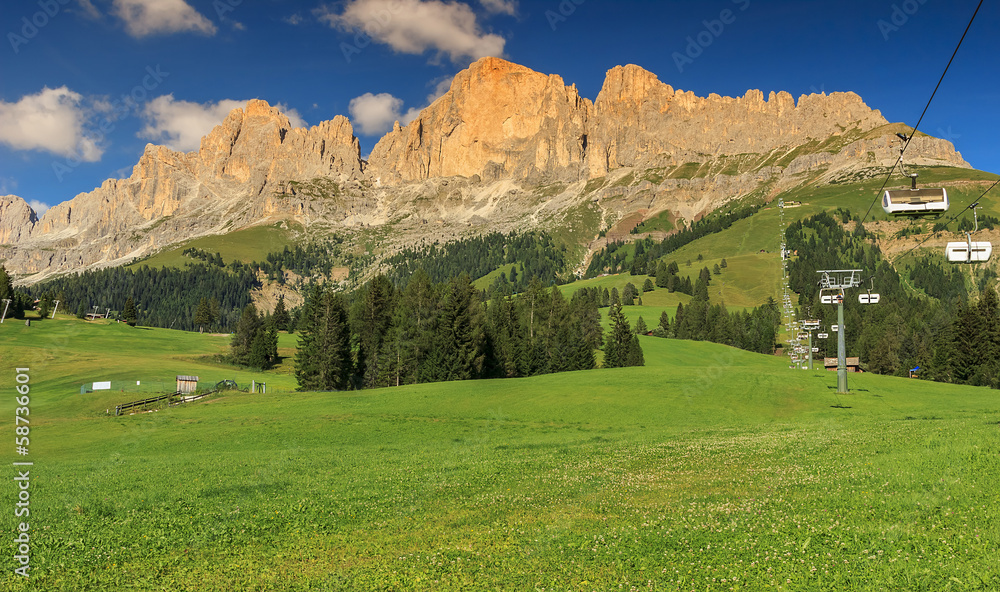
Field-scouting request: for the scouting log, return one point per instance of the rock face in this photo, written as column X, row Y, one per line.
column 636, row 116
column 498, row 120
column 501, row 131
column 16, row 219
column 230, row 181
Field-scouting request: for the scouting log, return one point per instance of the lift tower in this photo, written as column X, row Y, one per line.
column 832, row 283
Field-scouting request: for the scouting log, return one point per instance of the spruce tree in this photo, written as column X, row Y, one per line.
column 203, row 315
column 243, row 338
column 616, row 346
column 640, row 326
column 130, row 313
column 281, row 316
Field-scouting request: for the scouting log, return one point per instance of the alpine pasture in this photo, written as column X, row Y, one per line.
column 708, row 469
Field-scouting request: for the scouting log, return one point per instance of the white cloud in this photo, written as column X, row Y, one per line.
column 180, row 125
column 51, row 120
column 38, row 206
column 295, row 19
column 154, row 17
column 414, row 26
column 500, row 6
column 375, row 114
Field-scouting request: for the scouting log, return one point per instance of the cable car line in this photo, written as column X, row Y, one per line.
column 914, row 132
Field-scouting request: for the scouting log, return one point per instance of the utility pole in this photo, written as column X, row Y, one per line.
column 4, row 316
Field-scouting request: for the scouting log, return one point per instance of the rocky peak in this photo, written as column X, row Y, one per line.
column 16, row 219
column 498, row 119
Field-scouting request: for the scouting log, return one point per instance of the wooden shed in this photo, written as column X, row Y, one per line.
column 853, row 364
column 187, row 384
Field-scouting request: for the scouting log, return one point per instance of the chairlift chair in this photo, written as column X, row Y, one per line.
column 970, row 251
column 914, row 201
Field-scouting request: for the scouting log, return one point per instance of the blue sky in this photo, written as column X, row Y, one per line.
column 86, row 84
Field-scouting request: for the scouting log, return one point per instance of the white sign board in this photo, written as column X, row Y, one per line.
column 102, row 386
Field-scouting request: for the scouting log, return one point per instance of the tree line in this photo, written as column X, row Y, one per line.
column 429, row 331
column 537, row 253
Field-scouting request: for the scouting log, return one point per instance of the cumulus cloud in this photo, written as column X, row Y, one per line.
column 294, row 19
column 500, row 6
column 180, row 125
column 51, row 120
column 159, row 17
column 375, row 114
column 415, row 26
column 38, row 206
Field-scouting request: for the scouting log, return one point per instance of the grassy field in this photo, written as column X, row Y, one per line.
column 708, row 469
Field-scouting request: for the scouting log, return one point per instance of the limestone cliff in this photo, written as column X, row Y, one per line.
column 498, row 120
column 230, row 182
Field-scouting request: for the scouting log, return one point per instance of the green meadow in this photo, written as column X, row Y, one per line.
column 708, row 469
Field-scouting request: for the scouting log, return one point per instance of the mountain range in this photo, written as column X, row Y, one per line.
column 505, row 148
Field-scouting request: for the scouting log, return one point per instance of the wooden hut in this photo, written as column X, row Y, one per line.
column 187, row 384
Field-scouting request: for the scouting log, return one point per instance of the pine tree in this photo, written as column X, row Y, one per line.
column 243, row 338
column 281, row 317
column 616, row 346
column 640, row 327
column 457, row 353
column 723, row 265
column 665, row 323
column 323, row 358
column 130, row 313
column 81, row 311
column 202, row 316
column 371, row 316
column 647, row 286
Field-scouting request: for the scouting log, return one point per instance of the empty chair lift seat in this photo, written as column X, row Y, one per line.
column 969, row 252
column 915, row 201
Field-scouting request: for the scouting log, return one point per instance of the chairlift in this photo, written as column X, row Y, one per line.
column 822, row 335
column 969, row 251
column 815, row 350
column 834, row 328
column 914, row 201
column 803, row 336
column 868, row 297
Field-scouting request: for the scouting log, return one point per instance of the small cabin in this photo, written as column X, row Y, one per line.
column 853, row 364
column 902, row 202
column 187, row 384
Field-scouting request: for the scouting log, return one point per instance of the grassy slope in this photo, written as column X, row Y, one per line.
column 250, row 244
column 707, row 464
